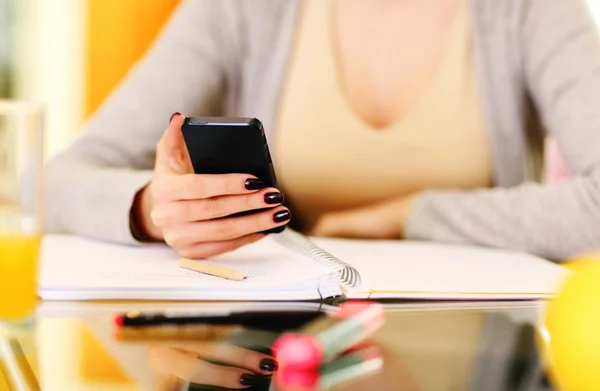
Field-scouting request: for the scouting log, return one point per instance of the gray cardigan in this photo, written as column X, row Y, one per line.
column 538, row 64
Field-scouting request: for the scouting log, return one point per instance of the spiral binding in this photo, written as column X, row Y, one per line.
column 348, row 275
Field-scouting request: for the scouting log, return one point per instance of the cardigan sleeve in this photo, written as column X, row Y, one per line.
column 90, row 187
column 561, row 49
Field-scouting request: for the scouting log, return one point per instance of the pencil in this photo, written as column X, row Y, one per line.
column 206, row 268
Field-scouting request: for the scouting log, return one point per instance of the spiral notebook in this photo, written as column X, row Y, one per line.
column 290, row 266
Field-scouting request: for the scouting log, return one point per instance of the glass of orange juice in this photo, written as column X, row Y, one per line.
column 21, row 199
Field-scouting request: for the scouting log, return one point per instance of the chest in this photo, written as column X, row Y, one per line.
column 385, row 65
column 257, row 84
column 324, row 145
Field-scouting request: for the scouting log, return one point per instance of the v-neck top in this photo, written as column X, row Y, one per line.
column 329, row 159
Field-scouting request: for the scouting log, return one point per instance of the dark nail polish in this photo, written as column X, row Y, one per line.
column 268, row 364
column 273, row 198
column 282, row 216
column 173, row 116
column 254, row 184
column 248, row 379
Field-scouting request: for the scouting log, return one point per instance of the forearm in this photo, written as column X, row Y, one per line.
column 554, row 221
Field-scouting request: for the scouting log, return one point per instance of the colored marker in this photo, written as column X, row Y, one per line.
column 325, row 338
column 351, row 366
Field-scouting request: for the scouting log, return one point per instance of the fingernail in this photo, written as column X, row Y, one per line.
column 282, row 216
column 273, row 198
column 173, row 116
column 248, row 379
column 268, row 364
column 254, row 184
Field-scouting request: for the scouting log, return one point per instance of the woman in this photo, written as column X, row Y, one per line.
column 418, row 119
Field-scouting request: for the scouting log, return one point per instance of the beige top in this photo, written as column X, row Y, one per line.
column 328, row 159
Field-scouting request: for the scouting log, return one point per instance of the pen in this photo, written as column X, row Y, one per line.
column 252, row 319
column 325, row 338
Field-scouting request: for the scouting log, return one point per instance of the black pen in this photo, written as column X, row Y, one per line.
column 257, row 319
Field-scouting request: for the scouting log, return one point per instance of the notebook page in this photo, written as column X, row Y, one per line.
column 75, row 264
column 392, row 269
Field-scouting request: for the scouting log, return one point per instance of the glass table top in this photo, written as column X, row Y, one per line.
column 420, row 347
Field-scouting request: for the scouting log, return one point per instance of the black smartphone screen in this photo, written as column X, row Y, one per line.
column 230, row 146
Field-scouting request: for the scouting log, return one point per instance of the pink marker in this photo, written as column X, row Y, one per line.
column 325, row 338
column 357, row 363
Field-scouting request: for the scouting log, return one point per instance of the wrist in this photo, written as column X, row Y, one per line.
column 140, row 221
column 404, row 209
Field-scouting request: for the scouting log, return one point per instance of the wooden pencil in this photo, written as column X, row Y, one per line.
column 213, row 270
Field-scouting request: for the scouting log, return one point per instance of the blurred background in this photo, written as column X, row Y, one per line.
column 69, row 54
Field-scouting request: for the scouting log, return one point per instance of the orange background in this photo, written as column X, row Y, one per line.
column 118, row 33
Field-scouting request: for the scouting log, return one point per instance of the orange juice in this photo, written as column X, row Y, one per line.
column 19, row 256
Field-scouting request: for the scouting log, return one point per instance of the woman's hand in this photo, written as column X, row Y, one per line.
column 188, row 362
column 385, row 220
column 187, row 210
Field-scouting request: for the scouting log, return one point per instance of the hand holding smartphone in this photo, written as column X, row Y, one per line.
column 213, row 188
column 231, row 146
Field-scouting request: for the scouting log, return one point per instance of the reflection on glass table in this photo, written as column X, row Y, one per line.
column 16, row 359
column 421, row 347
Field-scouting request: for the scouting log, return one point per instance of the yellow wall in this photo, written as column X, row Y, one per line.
column 118, row 34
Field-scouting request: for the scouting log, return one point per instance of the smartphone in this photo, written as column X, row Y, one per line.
column 219, row 145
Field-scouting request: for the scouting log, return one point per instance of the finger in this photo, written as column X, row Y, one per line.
column 210, row 249
column 191, row 369
column 188, row 211
column 227, row 228
column 232, row 355
column 202, row 186
column 171, row 152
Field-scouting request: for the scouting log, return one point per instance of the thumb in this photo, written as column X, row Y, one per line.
column 171, row 152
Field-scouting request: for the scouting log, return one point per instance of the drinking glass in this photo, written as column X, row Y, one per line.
column 21, row 199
